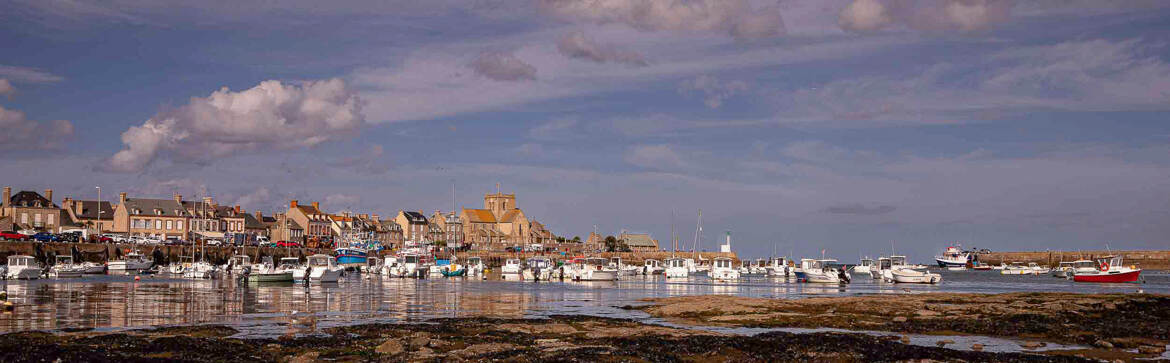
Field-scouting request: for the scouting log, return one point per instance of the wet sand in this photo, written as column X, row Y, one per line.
column 1115, row 326
column 560, row 338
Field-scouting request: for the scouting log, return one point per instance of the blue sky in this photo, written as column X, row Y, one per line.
column 803, row 125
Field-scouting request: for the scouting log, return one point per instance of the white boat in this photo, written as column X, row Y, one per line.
column 824, row 271
column 1037, row 269
column 592, row 269
column 474, row 266
column 93, row 268
column 537, row 269
column 759, row 267
column 266, row 271
column 864, row 267
column 133, row 261
column 292, row 265
column 881, row 270
column 237, row 264
column 953, row 256
column 676, row 268
column 411, row 265
column 323, row 268
column 652, row 267
column 373, row 266
column 1063, row 269
column 779, row 267
column 1017, row 268
column 743, row 268
column 1081, row 267
column 911, row 276
column 201, row 270
column 722, row 270
column 65, row 268
column 620, row 268
column 512, row 266
column 23, row 268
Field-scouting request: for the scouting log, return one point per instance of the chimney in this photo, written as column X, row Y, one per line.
column 292, row 204
column 122, row 198
column 81, row 208
column 7, row 196
column 178, row 198
column 316, row 205
column 376, row 217
column 259, row 216
column 238, row 210
column 49, row 195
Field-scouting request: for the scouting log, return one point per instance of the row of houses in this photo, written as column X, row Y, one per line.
column 501, row 223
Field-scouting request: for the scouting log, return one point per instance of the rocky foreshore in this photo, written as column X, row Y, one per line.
column 1124, row 326
column 560, row 338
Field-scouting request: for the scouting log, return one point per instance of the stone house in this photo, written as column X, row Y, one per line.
column 90, row 214
column 30, row 210
column 160, row 218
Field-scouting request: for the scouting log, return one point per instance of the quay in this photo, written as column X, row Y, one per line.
column 1147, row 259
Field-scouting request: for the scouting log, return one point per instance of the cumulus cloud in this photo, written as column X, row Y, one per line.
column 189, row 188
column 737, row 18
column 926, row 15
column 6, row 88
column 19, row 132
column 26, row 74
column 272, row 115
column 713, row 90
column 341, row 201
column 255, row 199
column 368, row 161
column 661, row 157
column 503, row 66
column 577, row 45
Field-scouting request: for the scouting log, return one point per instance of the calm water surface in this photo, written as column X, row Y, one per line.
column 119, row 302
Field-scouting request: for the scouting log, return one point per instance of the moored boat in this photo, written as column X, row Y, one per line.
column 23, row 268
column 912, row 276
column 1110, row 269
column 722, row 269
column 676, row 268
column 865, row 266
column 65, row 268
column 133, row 261
column 323, row 268
column 953, row 256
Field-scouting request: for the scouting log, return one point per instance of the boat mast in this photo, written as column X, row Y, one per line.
column 673, row 238
column 698, row 233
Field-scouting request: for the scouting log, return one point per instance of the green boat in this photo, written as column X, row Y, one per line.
column 270, row 277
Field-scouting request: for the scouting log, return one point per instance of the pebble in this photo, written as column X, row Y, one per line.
column 1103, row 344
column 905, row 339
column 977, row 347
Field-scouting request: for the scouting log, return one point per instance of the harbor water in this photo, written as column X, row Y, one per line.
column 112, row 302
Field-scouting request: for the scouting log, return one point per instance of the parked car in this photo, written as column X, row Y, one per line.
column 72, row 237
column 213, row 242
column 287, row 244
column 46, row 237
column 102, row 239
column 13, row 236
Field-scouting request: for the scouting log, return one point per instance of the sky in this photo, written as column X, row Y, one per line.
column 858, row 127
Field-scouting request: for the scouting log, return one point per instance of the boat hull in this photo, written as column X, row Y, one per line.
column 1120, row 277
column 24, row 273
column 271, row 277
column 449, row 273
column 944, row 263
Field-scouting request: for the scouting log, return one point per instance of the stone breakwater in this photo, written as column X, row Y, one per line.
column 1147, row 259
column 559, row 338
column 1122, row 326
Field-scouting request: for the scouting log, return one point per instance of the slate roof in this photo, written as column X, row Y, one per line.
column 415, row 217
column 155, row 207
column 639, row 240
column 30, row 199
column 250, row 222
column 89, row 210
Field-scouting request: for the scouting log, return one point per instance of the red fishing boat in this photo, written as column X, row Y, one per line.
column 1110, row 269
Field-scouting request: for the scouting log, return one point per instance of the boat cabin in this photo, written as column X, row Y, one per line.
column 652, row 263
column 722, row 262
column 64, row 260
column 884, row 263
column 241, row 260
column 676, row 263
column 539, row 262
column 1084, row 264
column 411, row 259
column 321, row 261
column 898, row 261
column 474, row 261
column 616, row 261
column 866, row 262
column 512, row 262
column 21, row 261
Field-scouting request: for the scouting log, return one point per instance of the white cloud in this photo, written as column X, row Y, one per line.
column 577, row 45
column 737, row 18
column 340, row 201
column 6, row 88
column 21, row 133
column 658, row 157
column 926, row 15
column 503, row 66
column 369, row 161
column 272, row 115
column 554, row 130
column 259, row 197
column 713, row 90
column 29, row 75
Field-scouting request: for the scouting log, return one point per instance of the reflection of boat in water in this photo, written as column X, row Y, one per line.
column 1110, row 269
column 23, row 268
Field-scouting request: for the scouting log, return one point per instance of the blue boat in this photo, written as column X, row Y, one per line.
column 351, row 256
column 449, row 269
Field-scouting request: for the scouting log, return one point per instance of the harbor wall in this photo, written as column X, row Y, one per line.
column 1147, row 259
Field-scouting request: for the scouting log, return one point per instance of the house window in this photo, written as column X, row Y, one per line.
column 179, row 225
column 169, row 225
column 50, row 221
column 37, row 218
column 158, row 224
column 24, row 218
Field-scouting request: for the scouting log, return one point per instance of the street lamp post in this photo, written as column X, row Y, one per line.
column 99, row 208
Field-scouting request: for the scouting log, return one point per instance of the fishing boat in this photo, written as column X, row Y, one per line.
column 722, row 269
column 864, row 266
column 620, row 268
column 592, row 269
column 323, row 268
column 779, row 267
column 676, row 268
column 881, row 270
column 1080, row 266
column 373, row 266
column 65, row 268
column 413, row 265
column 743, row 269
column 451, row 269
column 1110, row 269
column 953, row 256
column 1063, row 269
column 23, row 268
column 133, row 261
column 799, row 271
column 908, row 275
column 292, row 265
column 268, row 272
column 474, row 266
column 825, row 271
column 351, row 256
column 237, row 264
column 512, row 266
column 652, row 267
column 537, row 269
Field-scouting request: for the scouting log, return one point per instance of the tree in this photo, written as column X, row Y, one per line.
column 577, row 239
column 612, row 244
